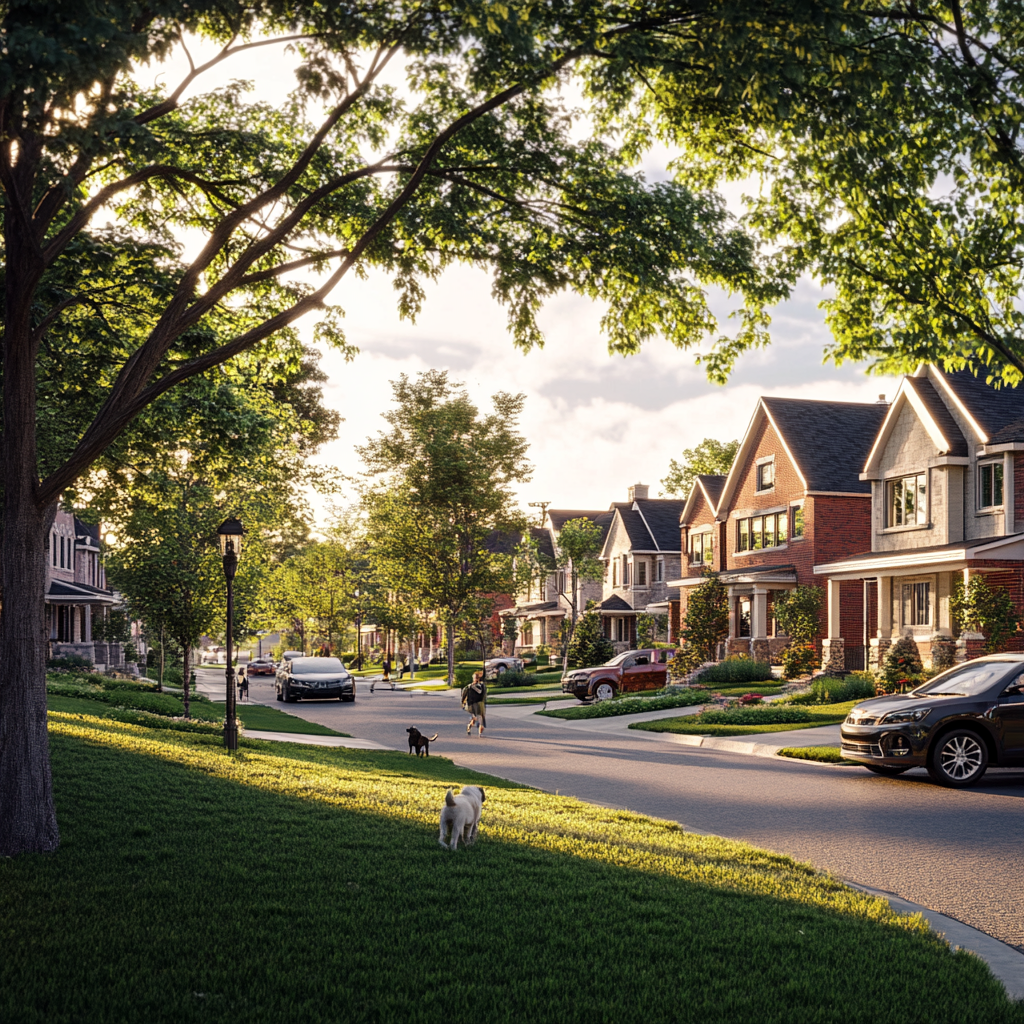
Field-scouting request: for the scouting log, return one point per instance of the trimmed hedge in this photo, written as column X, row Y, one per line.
column 630, row 705
column 737, row 670
column 830, row 690
column 755, row 716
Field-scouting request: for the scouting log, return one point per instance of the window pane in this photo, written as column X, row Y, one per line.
column 744, row 543
column 909, row 499
column 783, row 527
column 708, row 548
column 922, row 501
column 997, row 484
column 798, row 520
column 895, row 502
column 921, row 604
column 769, row 531
column 756, row 527
column 769, row 474
column 908, row 605
column 985, row 473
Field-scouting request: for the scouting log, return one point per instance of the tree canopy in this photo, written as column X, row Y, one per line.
column 710, row 457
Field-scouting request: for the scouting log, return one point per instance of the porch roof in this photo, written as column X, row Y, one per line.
column 942, row 557
column 60, row 592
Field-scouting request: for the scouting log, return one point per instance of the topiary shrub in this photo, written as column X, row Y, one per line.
column 70, row 663
column 901, row 664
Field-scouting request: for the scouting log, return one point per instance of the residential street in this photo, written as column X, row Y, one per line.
column 957, row 852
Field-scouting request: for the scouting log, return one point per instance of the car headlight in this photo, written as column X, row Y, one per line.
column 910, row 715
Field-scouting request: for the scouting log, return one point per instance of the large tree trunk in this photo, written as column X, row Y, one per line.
column 28, row 820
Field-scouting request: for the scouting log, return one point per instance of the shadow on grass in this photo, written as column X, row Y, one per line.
column 181, row 895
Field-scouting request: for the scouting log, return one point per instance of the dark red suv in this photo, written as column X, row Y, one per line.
column 630, row 672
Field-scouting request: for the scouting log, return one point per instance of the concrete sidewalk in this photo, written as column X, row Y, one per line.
column 315, row 741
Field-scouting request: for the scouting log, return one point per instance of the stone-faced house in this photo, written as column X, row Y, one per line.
column 793, row 494
column 546, row 602
column 946, row 473
column 77, row 594
column 642, row 554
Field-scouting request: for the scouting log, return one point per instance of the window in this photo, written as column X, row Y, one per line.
column 701, row 549
column 659, row 570
column 798, row 522
column 560, row 582
column 766, row 475
column 762, row 532
column 641, row 574
column 615, row 574
column 917, row 604
column 625, row 571
column 907, row 501
column 743, row 617
column 990, row 484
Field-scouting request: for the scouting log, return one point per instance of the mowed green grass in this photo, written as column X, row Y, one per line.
column 305, row 884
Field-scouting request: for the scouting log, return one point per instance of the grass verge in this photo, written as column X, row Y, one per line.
column 259, row 716
column 827, row 755
column 629, row 706
column 691, row 725
column 292, row 883
column 495, row 701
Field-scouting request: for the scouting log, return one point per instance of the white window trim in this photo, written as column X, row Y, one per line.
column 793, row 506
column 988, row 510
column 763, row 461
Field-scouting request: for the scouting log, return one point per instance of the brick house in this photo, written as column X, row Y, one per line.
column 793, row 498
column 77, row 594
column 946, row 473
column 642, row 554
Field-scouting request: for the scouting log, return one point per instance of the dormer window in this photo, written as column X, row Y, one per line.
column 701, row 548
column 766, row 474
column 907, row 501
column 990, row 485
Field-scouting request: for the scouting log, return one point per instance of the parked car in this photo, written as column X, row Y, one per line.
column 321, row 678
column 955, row 725
column 495, row 667
column 289, row 655
column 630, row 672
column 261, row 667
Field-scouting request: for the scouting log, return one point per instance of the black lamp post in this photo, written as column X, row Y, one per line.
column 230, row 533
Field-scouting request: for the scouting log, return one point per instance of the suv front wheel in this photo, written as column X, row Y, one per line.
column 960, row 758
column 604, row 691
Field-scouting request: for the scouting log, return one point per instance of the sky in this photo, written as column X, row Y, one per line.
column 596, row 423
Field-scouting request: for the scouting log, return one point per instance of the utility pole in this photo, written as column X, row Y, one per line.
column 543, row 506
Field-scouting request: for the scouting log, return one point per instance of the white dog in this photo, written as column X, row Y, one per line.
column 461, row 814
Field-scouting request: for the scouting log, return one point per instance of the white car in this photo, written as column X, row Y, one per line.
column 496, row 667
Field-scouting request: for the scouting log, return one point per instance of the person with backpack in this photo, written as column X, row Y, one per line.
column 474, row 700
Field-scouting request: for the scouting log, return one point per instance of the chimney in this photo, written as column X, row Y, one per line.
column 881, row 400
column 638, row 492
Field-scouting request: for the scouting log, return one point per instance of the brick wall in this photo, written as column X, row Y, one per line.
column 701, row 515
column 1018, row 493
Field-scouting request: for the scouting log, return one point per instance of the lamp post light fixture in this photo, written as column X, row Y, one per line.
column 230, row 532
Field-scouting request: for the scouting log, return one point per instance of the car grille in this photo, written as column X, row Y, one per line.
column 870, row 749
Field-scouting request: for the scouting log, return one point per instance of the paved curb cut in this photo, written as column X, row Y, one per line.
column 1005, row 962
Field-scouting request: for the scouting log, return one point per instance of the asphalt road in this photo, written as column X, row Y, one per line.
column 959, row 852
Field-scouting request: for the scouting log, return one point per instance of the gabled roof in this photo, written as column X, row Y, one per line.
column 706, row 486
column 543, row 538
column 651, row 524
column 615, row 604
column 827, row 442
column 930, row 407
column 558, row 517
column 991, row 410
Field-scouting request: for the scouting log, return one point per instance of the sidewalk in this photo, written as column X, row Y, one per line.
column 316, row 741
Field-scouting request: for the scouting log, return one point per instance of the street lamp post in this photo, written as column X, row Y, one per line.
column 230, row 533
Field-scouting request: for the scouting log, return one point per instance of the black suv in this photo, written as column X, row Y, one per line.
column 955, row 725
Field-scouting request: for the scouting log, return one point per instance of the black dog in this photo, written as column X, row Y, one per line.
column 419, row 741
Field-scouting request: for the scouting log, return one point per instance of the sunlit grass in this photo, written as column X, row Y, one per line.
column 291, row 883
column 826, row 755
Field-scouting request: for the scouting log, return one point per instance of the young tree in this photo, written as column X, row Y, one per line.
column 476, row 160
column 983, row 609
column 589, row 646
column 710, row 457
column 706, row 623
column 447, row 473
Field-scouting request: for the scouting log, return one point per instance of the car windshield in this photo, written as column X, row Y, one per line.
column 967, row 680
column 317, row 665
column 620, row 658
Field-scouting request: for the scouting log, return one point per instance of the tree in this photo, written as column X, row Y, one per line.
column 798, row 615
column 476, row 161
column 589, row 646
column 710, row 457
column 447, row 473
column 705, row 625
column 983, row 609
column 883, row 140
column 649, row 628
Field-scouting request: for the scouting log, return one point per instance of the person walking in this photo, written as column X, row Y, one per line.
column 474, row 700
column 243, row 683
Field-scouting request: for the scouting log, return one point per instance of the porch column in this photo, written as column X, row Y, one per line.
column 87, row 631
column 759, row 649
column 879, row 644
column 833, row 658
column 733, row 624
column 75, row 628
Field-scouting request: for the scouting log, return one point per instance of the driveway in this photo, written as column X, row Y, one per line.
column 956, row 851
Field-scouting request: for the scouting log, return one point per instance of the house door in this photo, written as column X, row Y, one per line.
column 743, row 617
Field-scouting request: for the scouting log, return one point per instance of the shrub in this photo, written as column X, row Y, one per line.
column 751, row 698
column 982, row 609
column 943, row 655
column 754, row 716
column 706, row 623
column 589, row 646
column 831, row 690
column 737, row 669
column 901, row 663
column 799, row 660
column 512, row 679
column 463, row 675
column 70, row 663
column 798, row 611
column 630, row 705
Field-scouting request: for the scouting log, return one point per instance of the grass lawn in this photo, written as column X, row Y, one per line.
column 821, row 714
column 292, row 883
column 493, row 689
column 259, row 716
column 827, row 755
